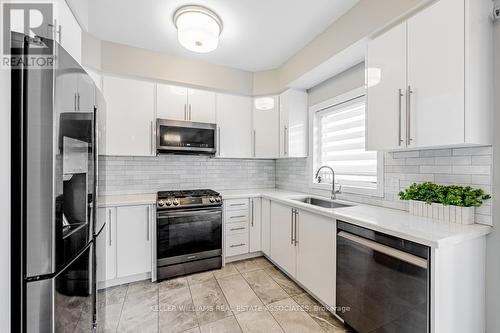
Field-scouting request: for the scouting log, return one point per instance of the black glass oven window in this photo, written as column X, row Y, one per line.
column 186, row 234
column 171, row 136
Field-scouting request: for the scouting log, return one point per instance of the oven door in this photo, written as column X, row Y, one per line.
column 188, row 235
column 185, row 137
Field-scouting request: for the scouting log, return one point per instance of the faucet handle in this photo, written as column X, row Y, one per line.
column 319, row 179
column 339, row 189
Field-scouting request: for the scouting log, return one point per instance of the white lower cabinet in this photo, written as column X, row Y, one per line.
column 124, row 246
column 316, row 249
column 266, row 226
column 242, row 226
column 303, row 245
column 283, row 249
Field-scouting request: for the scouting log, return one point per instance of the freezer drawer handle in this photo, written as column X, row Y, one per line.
column 391, row 252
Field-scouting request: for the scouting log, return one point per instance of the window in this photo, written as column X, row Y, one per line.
column 339, row 142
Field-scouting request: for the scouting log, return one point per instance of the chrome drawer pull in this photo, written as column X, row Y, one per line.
column 234, row 229
column 238, row 216
column 239, row 204
column 238, row 245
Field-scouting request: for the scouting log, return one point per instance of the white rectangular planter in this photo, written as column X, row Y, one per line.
column 454, row 214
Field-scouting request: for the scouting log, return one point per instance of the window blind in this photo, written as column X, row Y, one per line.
column 339, row 142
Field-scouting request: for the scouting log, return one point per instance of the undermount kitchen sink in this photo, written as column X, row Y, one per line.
column 322, row 202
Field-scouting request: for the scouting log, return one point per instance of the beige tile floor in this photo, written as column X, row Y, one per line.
column 245, row 296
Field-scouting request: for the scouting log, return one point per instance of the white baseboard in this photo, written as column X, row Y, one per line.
column 243, row 257
column 123, row 280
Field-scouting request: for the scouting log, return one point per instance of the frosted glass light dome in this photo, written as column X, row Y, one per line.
column 198, row 28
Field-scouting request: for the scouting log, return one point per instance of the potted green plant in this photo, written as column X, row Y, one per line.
column 451, row 203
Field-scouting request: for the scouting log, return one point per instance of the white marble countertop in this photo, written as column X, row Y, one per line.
column 390, row 221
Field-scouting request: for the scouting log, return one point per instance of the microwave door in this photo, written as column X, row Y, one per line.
column 186, row 137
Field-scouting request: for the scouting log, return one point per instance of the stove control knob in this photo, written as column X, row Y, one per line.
column 168, row 202
column 176, row 202
column 217, row 199
column 212, row 199
column 161, row 203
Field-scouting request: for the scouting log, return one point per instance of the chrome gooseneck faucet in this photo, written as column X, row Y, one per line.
column 318, row 177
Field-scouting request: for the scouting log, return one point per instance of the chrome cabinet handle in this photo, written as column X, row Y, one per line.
column 400, row 95
column 285, row 143
column 75, row 102
column 152, row 139
column 235, row 229
column 408, row 116
column 291, row 227
column 237, row 216
column 251, row 202
column 78, row 100
column 237, row 245
column 254, row 140
column 185, row 112
column 147, row 223
column 190, row 112
column 110, row 224
column 60, row 34
column 238, row 204
column 191, row 257
column 296, row 227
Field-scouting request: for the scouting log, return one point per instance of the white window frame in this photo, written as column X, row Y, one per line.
column 379, row 191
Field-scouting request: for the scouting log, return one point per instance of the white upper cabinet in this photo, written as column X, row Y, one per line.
column 171, row 102
column 234, row 126
column 181, row 103
column 293, row 123
column 446, row 99
column 266, row 133
column 69, row 33
column 201, row 106
column 386, row 81
column 130, row 116
column 436, row 75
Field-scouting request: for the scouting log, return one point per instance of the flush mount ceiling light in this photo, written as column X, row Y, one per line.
column 198, row 28
column 264, row 103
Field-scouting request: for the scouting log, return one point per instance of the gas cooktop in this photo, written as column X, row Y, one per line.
column 188, row 199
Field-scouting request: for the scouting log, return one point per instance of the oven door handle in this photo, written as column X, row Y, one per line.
column 191, row 212
column 389, row 251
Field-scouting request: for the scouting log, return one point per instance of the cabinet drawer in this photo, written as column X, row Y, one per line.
column 236, row 244
column 236, row 204
column 236, row 228
column 236, row 216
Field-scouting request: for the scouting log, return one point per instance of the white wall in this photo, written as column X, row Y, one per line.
column 5, row 200
column 493, row 240
column 346, row 81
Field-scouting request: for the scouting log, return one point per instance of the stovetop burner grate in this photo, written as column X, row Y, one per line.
column 188, row 193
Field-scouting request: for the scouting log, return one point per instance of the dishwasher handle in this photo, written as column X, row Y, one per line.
column 389, row 251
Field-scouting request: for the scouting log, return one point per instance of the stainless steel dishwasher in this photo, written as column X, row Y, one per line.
column 383, row 282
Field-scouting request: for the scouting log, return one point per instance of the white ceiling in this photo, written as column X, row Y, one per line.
column 258, row 34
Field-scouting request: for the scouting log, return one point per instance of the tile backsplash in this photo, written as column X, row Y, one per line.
column 463, row 166
column 132, row 175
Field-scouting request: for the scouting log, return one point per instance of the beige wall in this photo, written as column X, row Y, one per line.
column 346, row 81
column 126, row 60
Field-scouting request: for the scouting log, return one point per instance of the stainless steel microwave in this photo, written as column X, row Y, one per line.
column 185, row 137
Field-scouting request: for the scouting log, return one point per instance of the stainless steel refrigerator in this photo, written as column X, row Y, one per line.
column 54, row 190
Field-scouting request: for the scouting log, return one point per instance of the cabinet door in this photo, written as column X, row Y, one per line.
column 386, row 90
column 201, row 106
column 171, row 102
column 133, row 250
column 106, row 244
column 66, row 90
column 86, row 92
column 255, row 224
column 316, row 255
column 234, row 121
column 283, row 251
column 293, row 123
column 70, row 33
column 266, row 226
column 266, row 124
column 130, row 116
column 436, row 75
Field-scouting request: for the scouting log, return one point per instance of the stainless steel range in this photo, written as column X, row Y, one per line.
column 189, row 232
